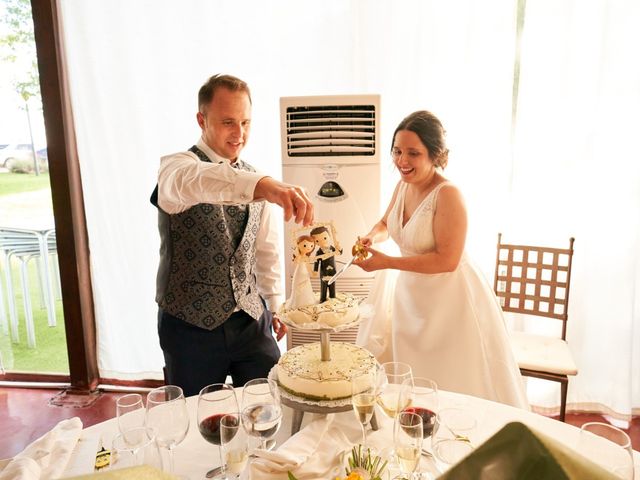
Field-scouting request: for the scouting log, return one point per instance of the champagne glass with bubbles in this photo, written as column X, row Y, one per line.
column 363, row 399
column 408, row 441
column 235, row 444
column 261, row 409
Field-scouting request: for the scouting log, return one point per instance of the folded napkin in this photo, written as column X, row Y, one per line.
column 46, row 457
column 315, row 452
column 518, row 453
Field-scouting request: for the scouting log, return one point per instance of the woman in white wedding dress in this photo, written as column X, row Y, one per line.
column 443, row 318
column 301, row 289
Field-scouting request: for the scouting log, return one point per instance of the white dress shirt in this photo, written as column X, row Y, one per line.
column 184, row 181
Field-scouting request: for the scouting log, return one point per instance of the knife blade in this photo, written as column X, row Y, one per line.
column 341, row 271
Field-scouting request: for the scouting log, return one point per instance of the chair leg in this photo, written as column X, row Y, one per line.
column 563, row 399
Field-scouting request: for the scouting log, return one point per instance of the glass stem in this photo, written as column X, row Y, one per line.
column 222, row 462
column 364, row 435
column 170, row 452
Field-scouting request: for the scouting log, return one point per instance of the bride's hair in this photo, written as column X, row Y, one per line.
column 431, row 133
column 299, row 240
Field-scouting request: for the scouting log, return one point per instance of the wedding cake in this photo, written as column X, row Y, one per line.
column 315, row 249
column 301, row 371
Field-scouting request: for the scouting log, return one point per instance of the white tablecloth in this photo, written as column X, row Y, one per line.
column 194, row 456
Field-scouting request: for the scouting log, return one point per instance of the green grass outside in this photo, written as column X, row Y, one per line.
column 50, row 353
column 11, row 183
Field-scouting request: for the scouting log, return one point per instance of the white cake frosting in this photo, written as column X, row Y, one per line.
column 334, row 312
column 301, row 372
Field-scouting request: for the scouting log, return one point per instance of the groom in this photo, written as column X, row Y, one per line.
column 325, row 261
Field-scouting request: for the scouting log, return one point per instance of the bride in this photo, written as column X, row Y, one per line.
column 301, row 289
column 443, row 317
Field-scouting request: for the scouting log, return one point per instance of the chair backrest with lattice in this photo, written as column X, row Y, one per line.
column 534, row 280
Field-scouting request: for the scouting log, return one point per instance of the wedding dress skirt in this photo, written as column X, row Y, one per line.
column 449, row 326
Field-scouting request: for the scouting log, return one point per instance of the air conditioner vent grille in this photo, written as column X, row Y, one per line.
column 331, row 130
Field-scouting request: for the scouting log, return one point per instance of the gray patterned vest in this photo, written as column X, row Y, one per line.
column 207, row 260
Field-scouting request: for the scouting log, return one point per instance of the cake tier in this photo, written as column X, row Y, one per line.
column 302, row 373
column 334, row 312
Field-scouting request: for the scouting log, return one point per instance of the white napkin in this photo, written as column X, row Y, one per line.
column 312, row 453
column 46, row 457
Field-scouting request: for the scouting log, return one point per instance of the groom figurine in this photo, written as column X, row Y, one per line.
column 325, row 264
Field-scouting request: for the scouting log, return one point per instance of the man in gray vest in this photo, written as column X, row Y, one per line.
column 218, row 281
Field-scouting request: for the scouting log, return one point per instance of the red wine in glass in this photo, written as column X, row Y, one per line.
column 210, row 428
column 428, row 419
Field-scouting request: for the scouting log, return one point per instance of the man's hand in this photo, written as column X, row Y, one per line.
column 293, row 199
column 279, row 328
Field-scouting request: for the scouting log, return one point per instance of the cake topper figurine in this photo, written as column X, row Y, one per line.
column 301, row 289
column 325, row 263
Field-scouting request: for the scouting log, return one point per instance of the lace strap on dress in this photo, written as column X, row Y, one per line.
column 433, row 196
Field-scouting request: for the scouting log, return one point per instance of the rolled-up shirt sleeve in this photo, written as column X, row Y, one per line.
column 185, row 181
column 268, row 269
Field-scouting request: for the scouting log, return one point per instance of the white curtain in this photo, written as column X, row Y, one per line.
column 135, row 68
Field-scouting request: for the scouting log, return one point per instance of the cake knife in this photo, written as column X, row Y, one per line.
column 341, row 271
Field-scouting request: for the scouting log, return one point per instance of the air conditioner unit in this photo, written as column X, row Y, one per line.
column 331, row 147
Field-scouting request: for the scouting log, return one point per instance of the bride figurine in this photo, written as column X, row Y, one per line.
column 301, row 290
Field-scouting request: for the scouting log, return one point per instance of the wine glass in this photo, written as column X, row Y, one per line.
column 131, row 414
column 363, row 399
column 424, row 402
column 408, row 441
column 235, row 443
column 133, row 447
column 215, row 401
column 395, row 384
column 167, row 414
column 451, row 439
column 261, row 409
column 610, row 444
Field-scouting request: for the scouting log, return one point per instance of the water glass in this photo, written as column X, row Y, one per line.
column 261, row 409
column 130, row 412
column 167, row 414
column 134, row 447
column 608, row 446
column 452, row 437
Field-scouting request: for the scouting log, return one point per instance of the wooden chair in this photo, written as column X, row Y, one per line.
column 535, row 281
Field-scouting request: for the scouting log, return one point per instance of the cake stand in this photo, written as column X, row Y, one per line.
column 300, row 405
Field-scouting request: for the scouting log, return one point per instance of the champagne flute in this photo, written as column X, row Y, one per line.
column 408, row 441
column 235, row 443
column 363, row 399
column 612, row 445
column 131, row 414
column 167, row 414
column 216, row 401
column 261, row 409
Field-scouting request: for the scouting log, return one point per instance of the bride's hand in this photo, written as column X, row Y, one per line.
column 375, row 261
column 366, row 241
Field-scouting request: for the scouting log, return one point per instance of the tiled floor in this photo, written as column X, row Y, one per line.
column 25, row 414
